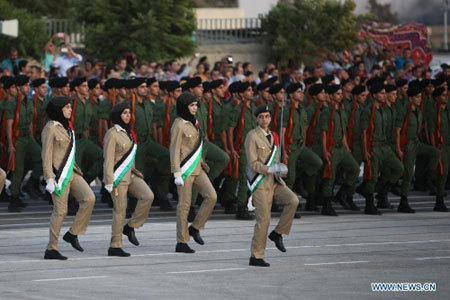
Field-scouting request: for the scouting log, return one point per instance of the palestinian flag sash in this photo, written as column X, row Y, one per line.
column 253, row 182
column 64, row 172
column 191, row 161
column 124, row 164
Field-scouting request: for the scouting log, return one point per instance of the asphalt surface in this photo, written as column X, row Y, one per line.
column 326, row 258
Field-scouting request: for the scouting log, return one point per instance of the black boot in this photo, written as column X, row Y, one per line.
column 440, row 205
column 33, row 189
column 351, row 204
column 4, row 196
column 340, row 198
column 300, row 188
column 54, row 254
column 404, row 206
column 311, row 205
column 195, row 233
column 429, row 182
column 382, row 197
column 327, row 208
column 258, row 262
column 360, row 189
column 14, row 204
column 192, row 214
column 129, row 232
column 183, row 248
column 395, row 189
column 370, row 208
column 164, row 203
column 73, row 240
column 243, row 214
column 117, row 252
column 106, row 197
column 230, row 209
column 278, row 240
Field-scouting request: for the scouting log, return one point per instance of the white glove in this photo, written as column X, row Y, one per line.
column 50, row 187
column 179, row 181
column 279, row 170
column 283, row 170
column 274, row 169
column 109, row 188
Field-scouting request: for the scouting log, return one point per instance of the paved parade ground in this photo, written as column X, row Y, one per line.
column 327, row 258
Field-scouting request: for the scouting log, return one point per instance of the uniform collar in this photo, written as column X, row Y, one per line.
column 57, row 123
column 119, row 128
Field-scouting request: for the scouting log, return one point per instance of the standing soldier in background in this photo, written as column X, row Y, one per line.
column 22, row 146
column 264, row 180
column 168, row 111
column 295, row 124
column 264, row 97
column 40, row 103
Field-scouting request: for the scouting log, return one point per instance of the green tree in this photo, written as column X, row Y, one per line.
column 304, row 29
column 382, row 12
column 47, row 8
column 153, row 30
column 32, row 34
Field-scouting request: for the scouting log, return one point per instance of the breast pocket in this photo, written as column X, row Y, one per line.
column 261, row 150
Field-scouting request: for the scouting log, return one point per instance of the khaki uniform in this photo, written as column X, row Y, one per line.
column 55, row 142
column 2, row 179
column 116, row 145
column 184, row 138
column 258, row 150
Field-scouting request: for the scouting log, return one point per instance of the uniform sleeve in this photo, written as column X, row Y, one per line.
column 252, row 155
column 400, row 118
column 161, row 112
column 365, row 119
column 431, row 119
column 104, row 109
column 10, row 108
column 175, row 149
column 324, row 119
column 47, row 136
column 234, row 116
column 109, row 150
column 286, row 114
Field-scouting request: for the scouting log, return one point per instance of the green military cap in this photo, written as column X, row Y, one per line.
column 261, row 109
column 438, row 91
column 21, row 80
column 37, row 82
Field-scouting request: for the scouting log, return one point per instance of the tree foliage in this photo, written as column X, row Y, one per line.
column 382, row 12
column 304, row 29
column 32, row 34
column 153, row 30
column 47, row 8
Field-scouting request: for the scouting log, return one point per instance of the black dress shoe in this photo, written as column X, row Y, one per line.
column 129, row 232
column 278, row 240
column 258, row 262
column 191, row 215
column 195, row 233
column 243, row 214
column 184, row 248
column 73, row 240
column 230, row 209
column 117, row 252
column 297, row 215
column 54, row 254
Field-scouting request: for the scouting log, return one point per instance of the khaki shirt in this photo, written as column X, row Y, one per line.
column 115, row 145
column 184, row 138
column 258, row 149
column 55, row 144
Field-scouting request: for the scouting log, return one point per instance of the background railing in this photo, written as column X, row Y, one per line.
column 223, row 31
column 73, row 29
column 209, row 31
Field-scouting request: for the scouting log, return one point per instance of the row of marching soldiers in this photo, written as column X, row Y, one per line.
column 328, row 131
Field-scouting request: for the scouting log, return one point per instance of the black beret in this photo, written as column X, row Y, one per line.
column 438, row 81
column 376, row 88
column 242, row 87
column 331, row 89
column 37, row 82
column 21, row 80
column 77, row 82
column 193, row 82
column 438, row 91
column 425, row 82
column 261, row 109
column 315, row 89
column 2, row 79
column 8, row 81
column 187, row 98
column 415, row 82
column 390, row 87
column 401, row 82
column 206, row 87
column 374, row 81
column 172, row 85
column 413, row 90
column 150, row 81
column 263, row 85
column 120, row 83
column 344, row 82
column 310, row 80
column 327, row 79
column 60, row 101
column 215, row 83
column 162, row 85
column 358, row 89
column 233, row 88
column 92, row 83
column 120, row 107
column 138, row 81
column 62, row 82
column 111, row 83
column 272, row 79
column 275, row 88
column 293, row 87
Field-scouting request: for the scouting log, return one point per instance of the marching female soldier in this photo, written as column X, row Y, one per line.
column 188, row 167
column 63, row 175
column 119, row 151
